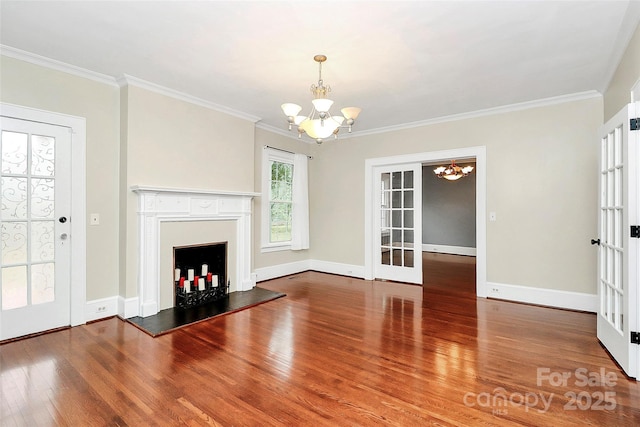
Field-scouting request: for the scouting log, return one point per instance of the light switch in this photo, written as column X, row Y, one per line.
column 94, row 219
column 492, row 216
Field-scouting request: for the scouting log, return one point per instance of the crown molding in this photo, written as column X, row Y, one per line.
column 123, row 80
column 43, row 61
column 451, row 118
column 127, row 80
column 283, row 131
column 294, row 134
column 485, row 112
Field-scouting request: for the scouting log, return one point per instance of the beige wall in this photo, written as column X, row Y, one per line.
column 37, row 87
column 545, row 209
column 627, row 74
column 134, row 137
column 173, row 143
column 546, row 212
column 541, row 182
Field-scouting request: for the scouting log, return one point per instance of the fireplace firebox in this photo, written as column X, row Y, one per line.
column 200, row 274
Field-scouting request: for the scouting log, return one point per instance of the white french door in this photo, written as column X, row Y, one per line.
column 618, row 255
column 35, row 191
column 398, row 223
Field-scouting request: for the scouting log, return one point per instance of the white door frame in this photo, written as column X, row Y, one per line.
column 479, row 153
column 78, row 197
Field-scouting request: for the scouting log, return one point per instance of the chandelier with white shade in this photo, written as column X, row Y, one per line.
column 320, row 124
column 452, row 172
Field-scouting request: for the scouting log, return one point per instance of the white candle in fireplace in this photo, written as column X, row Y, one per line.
column 214, row 280
column 190, row 274
column 205, row 269
column 201, row 284
column 177, row 275
column 187, row 286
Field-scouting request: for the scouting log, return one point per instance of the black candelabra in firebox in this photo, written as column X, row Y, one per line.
column 192, row 290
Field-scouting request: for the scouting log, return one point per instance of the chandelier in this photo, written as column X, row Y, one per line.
column 320, row 124
column 452, row 172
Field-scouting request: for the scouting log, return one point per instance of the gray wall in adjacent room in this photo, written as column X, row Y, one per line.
column 448, row 209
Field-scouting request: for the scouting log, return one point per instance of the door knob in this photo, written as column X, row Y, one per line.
column 63, row 236
column 62, row 219
column 595, row 242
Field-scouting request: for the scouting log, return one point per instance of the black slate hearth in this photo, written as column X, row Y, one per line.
column 174, row 318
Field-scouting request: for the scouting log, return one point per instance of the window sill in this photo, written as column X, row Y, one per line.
column 276, row 248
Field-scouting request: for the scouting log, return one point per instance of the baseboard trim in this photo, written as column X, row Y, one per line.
column 100, row 308
column 541, row 296
column 444, row 249
column 351, row 270
column 280, row 270
column 275, row 271
column 128, row 307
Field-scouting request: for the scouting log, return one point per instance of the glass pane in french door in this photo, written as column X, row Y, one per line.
column 397, row 232
column 612, row 289
column 618, row 277
column 27, row 178
column 35, row 201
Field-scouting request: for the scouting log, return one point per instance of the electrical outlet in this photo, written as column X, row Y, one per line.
column 495, row 291
column 101, row 309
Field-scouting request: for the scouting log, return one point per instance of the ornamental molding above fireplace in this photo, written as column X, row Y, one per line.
column 157, row 205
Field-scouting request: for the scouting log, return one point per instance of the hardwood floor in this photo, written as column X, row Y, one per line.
column 335, row 351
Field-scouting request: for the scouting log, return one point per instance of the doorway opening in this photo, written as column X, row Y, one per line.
column 372, row 209
column 449, row 274
column 48, row 223
column 449, row 228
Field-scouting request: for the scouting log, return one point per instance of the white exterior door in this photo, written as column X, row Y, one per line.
column 618, row 255
column 35, row 191
column 398, row 223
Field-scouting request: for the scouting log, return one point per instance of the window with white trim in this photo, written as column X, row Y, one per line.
column 277, row 180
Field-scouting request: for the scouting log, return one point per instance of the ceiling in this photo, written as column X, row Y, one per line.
column 402, row 62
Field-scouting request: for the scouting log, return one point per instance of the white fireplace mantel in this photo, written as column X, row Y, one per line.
column 157, row 205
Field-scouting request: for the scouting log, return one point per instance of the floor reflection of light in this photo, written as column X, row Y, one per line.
column 35, row 383
column 281, row 343
column 454, row 357
column 407, row 313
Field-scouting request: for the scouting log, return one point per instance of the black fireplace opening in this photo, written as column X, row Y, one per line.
column 200, row 274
